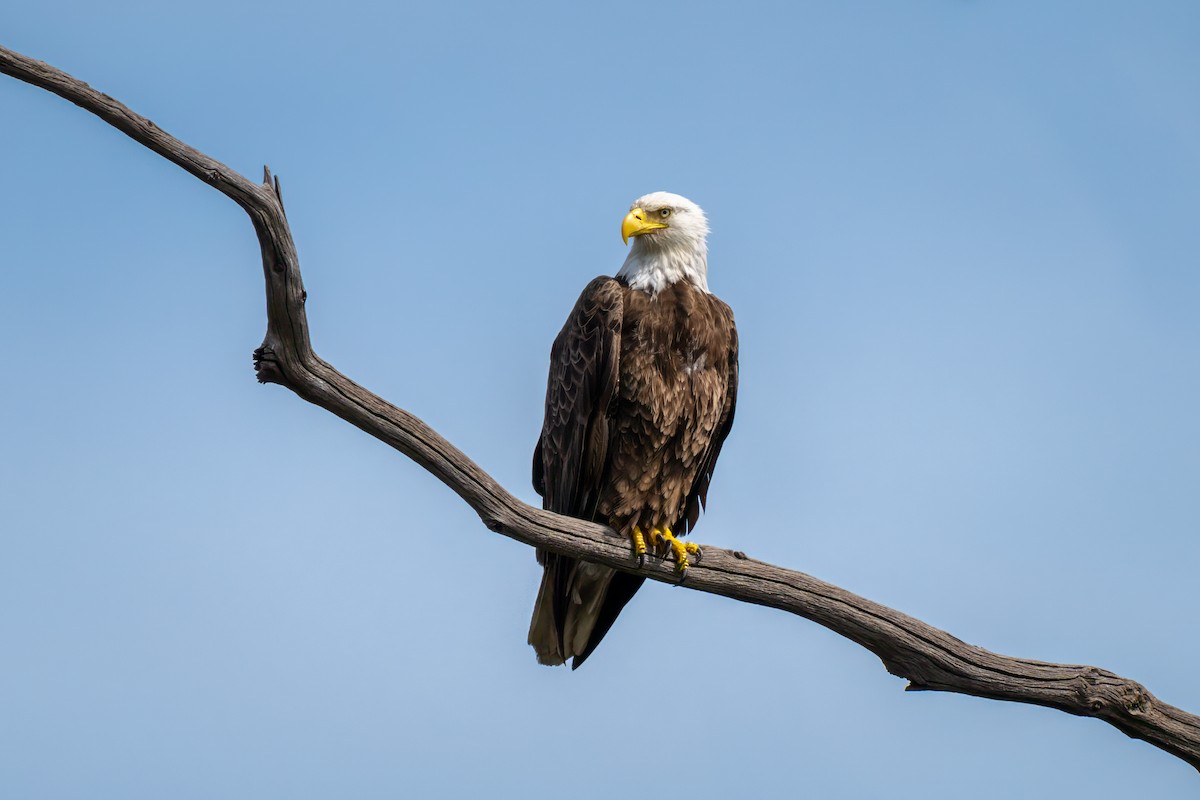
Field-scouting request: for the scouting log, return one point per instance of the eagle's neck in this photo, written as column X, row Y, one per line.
column 652, row 266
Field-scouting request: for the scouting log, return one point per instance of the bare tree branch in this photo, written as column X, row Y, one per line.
column 929, row 658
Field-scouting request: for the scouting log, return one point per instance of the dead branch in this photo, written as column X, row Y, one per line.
column 929, row 658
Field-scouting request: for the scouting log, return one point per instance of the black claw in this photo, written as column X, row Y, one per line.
column 641, row 559
column 699, row 554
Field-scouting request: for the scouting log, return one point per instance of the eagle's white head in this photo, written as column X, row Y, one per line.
column 669, row 243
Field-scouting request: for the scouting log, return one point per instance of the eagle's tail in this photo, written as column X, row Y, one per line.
column 543, row 628
column 576, row 605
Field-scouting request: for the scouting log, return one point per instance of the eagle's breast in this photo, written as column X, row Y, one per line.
column 674, row 374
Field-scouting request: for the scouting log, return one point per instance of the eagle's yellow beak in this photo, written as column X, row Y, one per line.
column 635, row 224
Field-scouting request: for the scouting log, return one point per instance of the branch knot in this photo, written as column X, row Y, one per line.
column 266, row 365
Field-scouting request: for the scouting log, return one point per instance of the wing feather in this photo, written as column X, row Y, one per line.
column 698, row 496
column 569, row 464
column 584, row 365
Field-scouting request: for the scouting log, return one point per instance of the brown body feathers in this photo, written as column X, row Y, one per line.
column 640, row 397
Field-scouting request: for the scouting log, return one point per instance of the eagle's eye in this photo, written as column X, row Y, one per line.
column 664, row 212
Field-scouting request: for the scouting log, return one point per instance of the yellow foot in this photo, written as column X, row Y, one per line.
column 679, row 549
column 639, row 545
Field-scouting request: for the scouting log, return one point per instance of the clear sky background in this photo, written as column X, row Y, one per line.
column 961, row 240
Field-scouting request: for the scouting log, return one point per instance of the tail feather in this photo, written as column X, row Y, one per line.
column 589, row 587
column 543, row 628
column 572, row 598
column 620, row 591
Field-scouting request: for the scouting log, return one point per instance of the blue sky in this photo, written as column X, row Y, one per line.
column 961, row 242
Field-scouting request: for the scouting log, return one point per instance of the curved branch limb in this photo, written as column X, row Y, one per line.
column 929, row 658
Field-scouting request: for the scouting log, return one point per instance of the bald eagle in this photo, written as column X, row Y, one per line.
column 641, row 393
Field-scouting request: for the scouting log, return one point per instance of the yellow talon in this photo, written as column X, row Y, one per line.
column 679, row 549
column 655, row 536
column 639, row 543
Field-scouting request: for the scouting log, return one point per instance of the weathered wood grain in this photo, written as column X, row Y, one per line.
column 929, row 658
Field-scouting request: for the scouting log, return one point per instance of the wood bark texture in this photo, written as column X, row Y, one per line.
column 929, row 658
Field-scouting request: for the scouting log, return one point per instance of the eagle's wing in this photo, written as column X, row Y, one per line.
column 569, row 464
column 698, row 496
column 569, row 459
